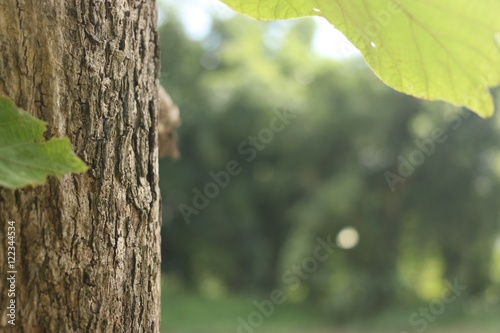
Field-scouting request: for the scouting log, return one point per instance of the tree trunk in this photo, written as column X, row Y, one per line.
column 87, row 246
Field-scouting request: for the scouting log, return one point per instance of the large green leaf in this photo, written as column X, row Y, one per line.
column 434, row 49
column 25, row 157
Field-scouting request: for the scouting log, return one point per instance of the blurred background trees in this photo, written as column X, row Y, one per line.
column 325, row 172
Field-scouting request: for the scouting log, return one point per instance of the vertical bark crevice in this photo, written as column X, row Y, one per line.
column 88, row 247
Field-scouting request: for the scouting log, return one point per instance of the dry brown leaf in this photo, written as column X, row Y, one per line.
column 169, row 120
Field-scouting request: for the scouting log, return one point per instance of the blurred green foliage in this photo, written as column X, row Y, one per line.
column 326, row 170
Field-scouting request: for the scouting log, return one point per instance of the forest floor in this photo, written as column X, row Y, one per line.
column 344, row 330
column 191, row 313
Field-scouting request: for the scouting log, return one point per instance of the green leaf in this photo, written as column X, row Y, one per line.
column 25, row 157
column 433, row 49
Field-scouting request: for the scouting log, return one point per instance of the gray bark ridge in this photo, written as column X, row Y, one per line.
column 87, row 246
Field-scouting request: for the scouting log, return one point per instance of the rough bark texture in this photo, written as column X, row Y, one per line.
column 87, row 246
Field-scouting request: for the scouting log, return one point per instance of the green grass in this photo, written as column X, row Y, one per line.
column 193, row 313
column 455, row 318
column 190, row 313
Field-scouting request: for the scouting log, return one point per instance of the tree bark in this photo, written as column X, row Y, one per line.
column 87, row 246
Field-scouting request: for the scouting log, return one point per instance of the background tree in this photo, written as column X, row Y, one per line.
column 324, row 172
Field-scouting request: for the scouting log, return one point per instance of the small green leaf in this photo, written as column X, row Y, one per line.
column 433, row 49
column 25, row 157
